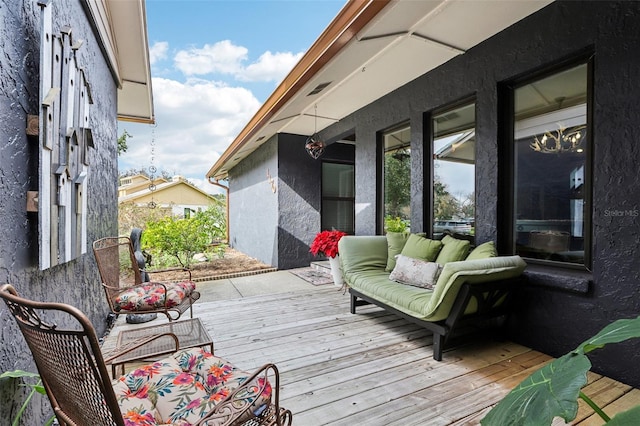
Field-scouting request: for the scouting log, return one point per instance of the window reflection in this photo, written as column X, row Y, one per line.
column 338, row 197
column 454, row 147
column 397, row 174
column 551, row 144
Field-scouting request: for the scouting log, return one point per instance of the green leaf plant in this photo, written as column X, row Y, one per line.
column 395, row 224
column 37, row 387
column 553, row 390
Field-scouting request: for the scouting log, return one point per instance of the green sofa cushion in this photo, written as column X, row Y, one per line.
column 419, row 247
column 454, row 250
column 405, row 298
column 454, row 274
column 395, row 243
column 359, row 253
column 483, row 251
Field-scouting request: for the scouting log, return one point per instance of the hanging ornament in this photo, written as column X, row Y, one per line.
column 314, row 145
column 152, row 168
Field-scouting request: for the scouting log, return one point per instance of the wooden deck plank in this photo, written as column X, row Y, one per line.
column 628, row 400
column 373, row 368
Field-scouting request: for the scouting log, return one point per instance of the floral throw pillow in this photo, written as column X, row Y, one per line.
column 416, row 272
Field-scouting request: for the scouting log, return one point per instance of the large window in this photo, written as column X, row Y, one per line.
column 551, row 147
column 338, row 197
column 454, row 157
column 397, row 173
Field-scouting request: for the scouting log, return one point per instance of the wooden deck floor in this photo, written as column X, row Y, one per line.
column 374, row 368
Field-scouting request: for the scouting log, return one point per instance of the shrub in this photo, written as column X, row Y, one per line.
column 180, row 238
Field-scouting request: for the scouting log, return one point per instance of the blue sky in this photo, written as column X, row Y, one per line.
column 213, row 64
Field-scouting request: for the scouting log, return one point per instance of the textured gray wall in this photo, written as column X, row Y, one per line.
column 278, row 227
column 559, row 308
column 253, row 206
column 75, row 282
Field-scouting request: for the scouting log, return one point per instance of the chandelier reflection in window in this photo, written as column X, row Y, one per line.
column 561, row 140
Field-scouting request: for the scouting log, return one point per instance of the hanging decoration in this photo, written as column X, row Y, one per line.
column 152, row 168
column 314, row 145
column 560, row 140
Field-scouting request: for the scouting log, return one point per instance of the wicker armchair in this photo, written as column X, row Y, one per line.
column 190, row 387
column 126, row 290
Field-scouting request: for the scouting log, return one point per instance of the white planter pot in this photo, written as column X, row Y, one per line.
column 336, row 270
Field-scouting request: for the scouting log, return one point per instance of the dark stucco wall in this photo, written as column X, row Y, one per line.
column 300, row 197
column 299, row 201
column 275, row 200
column 75, row 282
column 550, row 316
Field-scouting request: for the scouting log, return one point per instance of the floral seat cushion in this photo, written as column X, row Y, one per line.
column 151, row 296
column 183, row 388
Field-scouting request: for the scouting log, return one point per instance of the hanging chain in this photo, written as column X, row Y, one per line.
column 152, row 168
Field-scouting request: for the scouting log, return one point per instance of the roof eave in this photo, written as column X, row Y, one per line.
column 346, row 25
column 121, row 27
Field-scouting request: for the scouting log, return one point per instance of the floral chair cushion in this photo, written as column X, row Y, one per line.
column 183, row 388
column 151, row 296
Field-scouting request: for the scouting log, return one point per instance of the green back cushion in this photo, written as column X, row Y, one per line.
column 419, row 247
column 483, row 251
column 362, row 252
column 453, row 251
column 395, row 243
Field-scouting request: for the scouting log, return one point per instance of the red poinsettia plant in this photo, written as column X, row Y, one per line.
column 326, row 243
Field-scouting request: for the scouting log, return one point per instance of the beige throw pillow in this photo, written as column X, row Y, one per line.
column 415, row 272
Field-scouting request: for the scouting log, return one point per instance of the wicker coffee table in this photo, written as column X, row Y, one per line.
column 190, row 334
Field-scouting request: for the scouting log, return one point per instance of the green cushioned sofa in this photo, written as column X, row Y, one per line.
column 465, row 290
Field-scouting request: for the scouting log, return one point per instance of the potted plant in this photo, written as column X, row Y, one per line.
column 37, row 387
column 553, row 390
column 326, row 244
column 395, row 224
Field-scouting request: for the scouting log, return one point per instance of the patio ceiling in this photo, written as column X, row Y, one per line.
column 122, row 28
column 370, row 49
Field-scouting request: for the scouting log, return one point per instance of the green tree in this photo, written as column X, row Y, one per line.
column 397, row 185
column 468, row 205
column 445, row 205
column 122, row 142
column 214, row 222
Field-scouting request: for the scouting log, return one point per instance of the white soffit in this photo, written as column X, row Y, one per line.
column 406, row 40
column 129, row 24
column 402, row 42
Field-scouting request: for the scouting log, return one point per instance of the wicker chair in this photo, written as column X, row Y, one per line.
column 126, row 290
column 189, row 387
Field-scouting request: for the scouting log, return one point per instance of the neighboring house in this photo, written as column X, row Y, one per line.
column 179, row 195
column 536, row 102
column 69, row 70
column 135, row 183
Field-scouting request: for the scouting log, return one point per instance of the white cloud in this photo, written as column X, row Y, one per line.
column 226, row 58
column 270, row 67
column 158, row 51
column 222, row 57
column 197, row 119
column 196, row 122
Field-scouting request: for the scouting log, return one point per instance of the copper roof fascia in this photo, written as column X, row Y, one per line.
column 349, row 21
